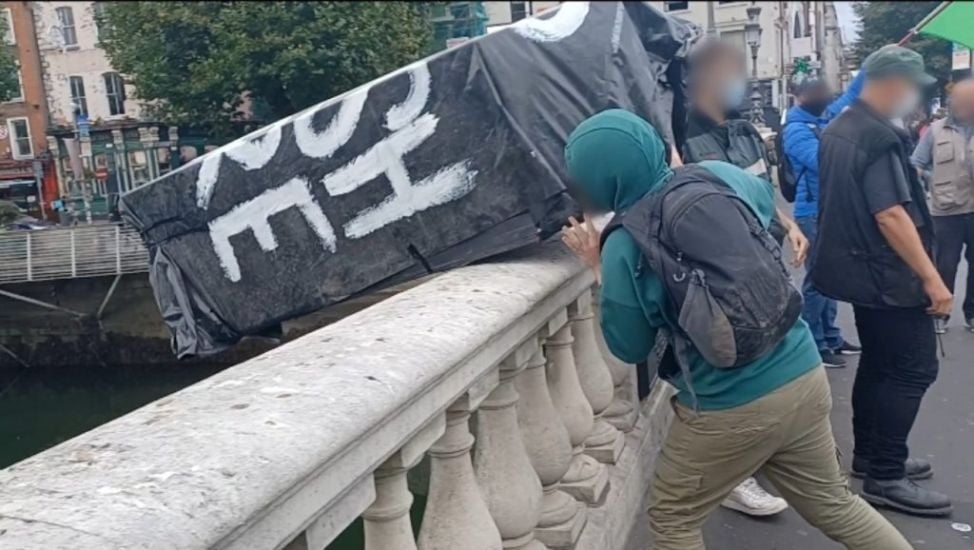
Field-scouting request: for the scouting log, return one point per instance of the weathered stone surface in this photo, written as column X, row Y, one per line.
column 252, row 456
column 456, row 514
column 292, row 445
column 621, row 523
column 549, row 447
column 507, row 479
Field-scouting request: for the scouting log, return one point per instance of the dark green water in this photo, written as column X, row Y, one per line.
column 41, row 408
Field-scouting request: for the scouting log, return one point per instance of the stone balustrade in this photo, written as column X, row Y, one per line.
column 491, row 379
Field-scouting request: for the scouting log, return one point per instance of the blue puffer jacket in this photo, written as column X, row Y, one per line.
column 801, row 145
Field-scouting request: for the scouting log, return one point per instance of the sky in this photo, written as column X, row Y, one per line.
column 847, row 21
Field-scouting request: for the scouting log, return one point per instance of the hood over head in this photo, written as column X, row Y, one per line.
column 614, row 158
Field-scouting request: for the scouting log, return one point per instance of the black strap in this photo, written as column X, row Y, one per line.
column 818, row 135
column 614, row 223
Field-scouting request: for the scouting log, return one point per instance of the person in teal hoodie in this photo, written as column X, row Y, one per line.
column 770, row 415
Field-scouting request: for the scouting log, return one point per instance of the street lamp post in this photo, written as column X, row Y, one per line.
column 711, row 25
column 752, row 33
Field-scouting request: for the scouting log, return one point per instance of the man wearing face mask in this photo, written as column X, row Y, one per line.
column 874, row 250
column 945, row 158
column 717, row 131
column 802, row 129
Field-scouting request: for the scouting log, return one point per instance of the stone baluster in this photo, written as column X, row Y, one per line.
column 456, row 515
column 387, row 525
column 624, row 410
column 586, row 480
column 387, row 522
column 549, row 447
column 507, row 479
column 605, row 442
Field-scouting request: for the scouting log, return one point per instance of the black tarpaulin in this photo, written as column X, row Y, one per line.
column 450, row 160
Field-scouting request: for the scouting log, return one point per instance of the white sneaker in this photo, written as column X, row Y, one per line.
column 749, row 498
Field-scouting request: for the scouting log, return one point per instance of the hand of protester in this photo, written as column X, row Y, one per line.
column 583, row 240
column 675, row 160
column 799, row 245
column 941, row 300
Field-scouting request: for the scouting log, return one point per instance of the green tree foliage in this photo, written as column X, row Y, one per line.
column 9, row 213
column 194, row 63
column 9, row 83
column 883, row 23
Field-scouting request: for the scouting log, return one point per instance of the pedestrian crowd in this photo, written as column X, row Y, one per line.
column 693, row 252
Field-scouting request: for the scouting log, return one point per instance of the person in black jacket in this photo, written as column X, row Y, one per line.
column 874, row 250
column 716, row 131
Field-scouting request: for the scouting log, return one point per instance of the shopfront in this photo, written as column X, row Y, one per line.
column 21, row 182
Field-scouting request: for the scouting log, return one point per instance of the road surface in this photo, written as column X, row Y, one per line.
column 944, row 434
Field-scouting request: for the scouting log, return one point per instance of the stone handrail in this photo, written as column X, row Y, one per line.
column 289, row 448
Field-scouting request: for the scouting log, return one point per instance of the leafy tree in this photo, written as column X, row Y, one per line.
column 9, row 213
column 883, row 23
column 9, row 83
column 198, row 64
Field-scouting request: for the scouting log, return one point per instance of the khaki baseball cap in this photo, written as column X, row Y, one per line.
column 893, row 60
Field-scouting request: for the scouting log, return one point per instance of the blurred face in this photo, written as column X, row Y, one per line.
column 903, row 96
column 723, row 78
column 816, row 99
column 962, row 103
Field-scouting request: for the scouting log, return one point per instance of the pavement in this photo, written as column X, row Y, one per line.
column 944, row 433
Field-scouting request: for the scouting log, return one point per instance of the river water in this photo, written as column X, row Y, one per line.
column 40, row 408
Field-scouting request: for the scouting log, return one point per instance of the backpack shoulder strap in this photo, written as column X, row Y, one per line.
column 615, row 223
column 694, row 174
column 681, row 175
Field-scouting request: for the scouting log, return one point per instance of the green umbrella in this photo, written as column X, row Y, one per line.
column 952, row 21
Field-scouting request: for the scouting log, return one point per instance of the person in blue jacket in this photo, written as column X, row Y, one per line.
column 802, row 127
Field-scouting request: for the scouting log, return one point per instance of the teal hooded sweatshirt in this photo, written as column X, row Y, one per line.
column 614, row 158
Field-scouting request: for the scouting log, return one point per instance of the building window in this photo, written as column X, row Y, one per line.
column 163, row 160
column 20, row 144
column 102, row 29
column 115, row 90
column 20, row 86
column 676, row 6
column 139, row 167
column 8, row 28
column 736, row 39
column 797, row 31
column 65, row 17
column 78, row 99
column 519, row 11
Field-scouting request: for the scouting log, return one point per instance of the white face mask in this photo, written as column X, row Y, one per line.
column 907, row 105
column 734, row 92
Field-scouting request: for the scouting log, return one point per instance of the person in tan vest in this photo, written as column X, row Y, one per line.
column 945, row 159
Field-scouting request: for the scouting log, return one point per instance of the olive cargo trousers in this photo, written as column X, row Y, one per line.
column 785, row 434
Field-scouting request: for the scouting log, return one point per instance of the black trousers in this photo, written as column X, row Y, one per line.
column 953, row 234
column 898, row 364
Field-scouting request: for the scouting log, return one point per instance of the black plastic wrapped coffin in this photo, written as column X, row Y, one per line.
column 450, row 160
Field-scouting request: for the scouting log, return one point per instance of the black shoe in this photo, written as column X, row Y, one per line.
column 970, row 324
column 916, row 468
column 832, row 360
column 848, row 349
column 906, row 496
column 940, row 326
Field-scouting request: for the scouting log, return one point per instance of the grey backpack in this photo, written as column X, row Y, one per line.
column 720, row 267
